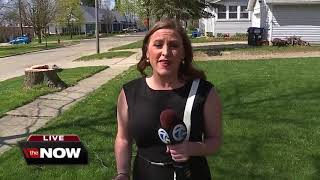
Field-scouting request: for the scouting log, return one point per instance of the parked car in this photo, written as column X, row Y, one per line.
column 130, row 29
column 21, row 40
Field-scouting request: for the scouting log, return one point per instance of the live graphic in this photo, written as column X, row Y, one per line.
column 54, row 149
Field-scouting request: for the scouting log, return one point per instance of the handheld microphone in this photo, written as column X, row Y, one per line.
column 174, row 131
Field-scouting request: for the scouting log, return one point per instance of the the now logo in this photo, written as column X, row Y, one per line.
column 54, row 149
column 52, row 152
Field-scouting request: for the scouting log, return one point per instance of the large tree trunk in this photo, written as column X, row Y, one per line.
column 39, row 36
column 20, row 18
column 40, row 74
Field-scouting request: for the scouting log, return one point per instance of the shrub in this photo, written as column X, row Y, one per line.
column 279, row 42
column 2, row 39
column 209, row 34
column 241, row 35
column 220, row 35
column 296, row 41
column 223, row 35
column 292, row 40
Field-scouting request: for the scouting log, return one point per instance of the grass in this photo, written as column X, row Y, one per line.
column 264, row 49
column 106, row 55
column 270, row 122
column 138, row 44
column 216, row 39
column 134, row 45
column 13, row 50
column 12, row 93
column 275, row 49
column 74, row 37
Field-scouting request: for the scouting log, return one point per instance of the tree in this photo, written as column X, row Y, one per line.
column 178, row 9
column 133, row 8
column 90, row 3
column 69, row 13
column 6, row 11
column 20, row 6
column 39, row 13
column 11, row 12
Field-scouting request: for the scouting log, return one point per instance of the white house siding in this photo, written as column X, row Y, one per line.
column 215, row 25
column 296, row 20
column 232, row 27
column 208, row 25
column 233, row 2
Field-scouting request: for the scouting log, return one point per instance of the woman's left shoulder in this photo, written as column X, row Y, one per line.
column 204, row 87
column 206, row 83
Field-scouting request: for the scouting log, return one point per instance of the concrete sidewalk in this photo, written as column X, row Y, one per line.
column 21, row 122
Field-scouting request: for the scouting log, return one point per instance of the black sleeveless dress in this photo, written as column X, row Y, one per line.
column 145, row 106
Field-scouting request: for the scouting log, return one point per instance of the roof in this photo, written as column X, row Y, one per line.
column 90, row 13
column 119, row 17
column 251, row 5
column 215, row 1
column 293, row 2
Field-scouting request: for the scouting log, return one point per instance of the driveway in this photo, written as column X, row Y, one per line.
column 14, row 66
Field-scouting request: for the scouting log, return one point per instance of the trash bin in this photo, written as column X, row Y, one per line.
column 255, row 36
column 195, row 34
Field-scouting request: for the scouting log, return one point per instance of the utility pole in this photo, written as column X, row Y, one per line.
column 97, row 26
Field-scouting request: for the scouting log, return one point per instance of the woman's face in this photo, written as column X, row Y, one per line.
column 165, row 52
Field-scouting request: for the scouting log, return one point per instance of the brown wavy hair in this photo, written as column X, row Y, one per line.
column 186, row 69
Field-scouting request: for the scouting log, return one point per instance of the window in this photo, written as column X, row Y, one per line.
column 233, row 12
column 222, row 12
column 244, row 13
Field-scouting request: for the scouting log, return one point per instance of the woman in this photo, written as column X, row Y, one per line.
column 167, row 49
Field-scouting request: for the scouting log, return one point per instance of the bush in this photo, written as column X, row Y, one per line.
column 191, row 27
column 219, row 34
column 296, row 41
column 223, row 35
column 292, row 40
column 209, row 34
column 279, row 42
column 2, row 39
column 241, row 35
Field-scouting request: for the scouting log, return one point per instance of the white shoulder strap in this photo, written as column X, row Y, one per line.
column 189, row 104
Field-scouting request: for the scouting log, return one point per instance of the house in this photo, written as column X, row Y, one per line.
column 285, row 18
column 119, row 21
column 110, row 21
column 230, row 16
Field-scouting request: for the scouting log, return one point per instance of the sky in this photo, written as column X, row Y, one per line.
column 112, row 2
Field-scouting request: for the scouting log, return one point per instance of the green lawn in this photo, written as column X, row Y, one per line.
column 255, row 50
column 106, row 55
column 74, row 37
column 270, row 119
column 26, row 48
column 12, row 93
column 274, row 49
column 138, row 44
column 134, row 45
column 217, row 39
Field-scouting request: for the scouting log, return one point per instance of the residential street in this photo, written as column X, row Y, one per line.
column 14, row 66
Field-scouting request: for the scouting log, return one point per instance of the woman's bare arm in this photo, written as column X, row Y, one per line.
column 123, row 142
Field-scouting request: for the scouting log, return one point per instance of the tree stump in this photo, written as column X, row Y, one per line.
column 40, row 74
